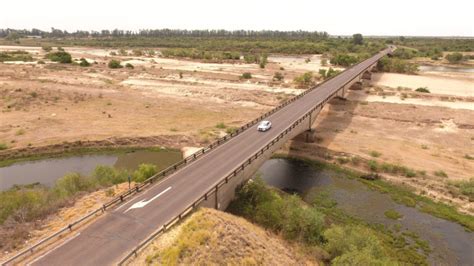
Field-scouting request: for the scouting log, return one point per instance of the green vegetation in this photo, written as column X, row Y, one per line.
column 278, row 76
column 343, row 60
column 375, row 154
column 3, row 146
column 221, row 125
column 390, row 168
column 130, row 66
column 47, row 48
column 32, row 202
column 60, row 56
column 114, row 64
column 357, row 39
column 284, row 214
column 247, row 75
column 464, row 187
column 305, row 80
column 329, row 73
column 84, row 63
column 401, row 194
column 440, row 173
column 144, row 172
column 423, row 90
column 396, row 65
column 454, row 58
column 393, row 214
column 15, row 56
column 345, row 238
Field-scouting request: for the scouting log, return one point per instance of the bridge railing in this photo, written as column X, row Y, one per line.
column 173, row 168
column 234, row 173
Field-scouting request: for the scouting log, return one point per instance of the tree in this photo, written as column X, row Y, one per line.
column 454, row 58
column 357, row 39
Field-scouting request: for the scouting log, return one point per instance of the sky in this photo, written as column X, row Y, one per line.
column 369, row 17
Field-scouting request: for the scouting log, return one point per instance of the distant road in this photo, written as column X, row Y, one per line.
column 107, row 240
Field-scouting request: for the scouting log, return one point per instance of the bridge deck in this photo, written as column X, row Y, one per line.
column 119, row 231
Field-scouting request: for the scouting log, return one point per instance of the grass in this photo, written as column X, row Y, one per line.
column 20, row 132
column 465, row 187
column 400, row 194
column 221, row 125
column 344, row 237
column 375, row 154
column 32, row 202
column 392, row 214
column 3, row 146
column 440, row 173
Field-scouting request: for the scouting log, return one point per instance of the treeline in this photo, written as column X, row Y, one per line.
column 57, row 33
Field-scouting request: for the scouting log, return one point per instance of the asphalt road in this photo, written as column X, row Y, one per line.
column 108, row 239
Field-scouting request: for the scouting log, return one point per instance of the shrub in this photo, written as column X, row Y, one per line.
column 144, row 172
column 283, row 214
column 355, row 245
column 41, row 62
column 247, row 75
column 454, row 58
column 343, row 60
column 106, row 175
column 423, row 90
column 278, row 76
column 47, row 48
column 396, row 65
column 114, row 64
column 305, row 80
column 60, row 56
column 440, row 173
column 15, row 56
column 221, row 125
column 465, row 187
column 326, row 74
column 70, row 184
column 3, row 146
column 393, row 214
column 375, row 154
column 128, row 65
column 84, row 63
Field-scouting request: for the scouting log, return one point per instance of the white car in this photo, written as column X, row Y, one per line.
column 264, row 125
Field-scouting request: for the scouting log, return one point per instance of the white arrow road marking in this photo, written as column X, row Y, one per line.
column 143, row 203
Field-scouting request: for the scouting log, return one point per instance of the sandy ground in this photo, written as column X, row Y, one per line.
column 459, row 84
column 54, row 103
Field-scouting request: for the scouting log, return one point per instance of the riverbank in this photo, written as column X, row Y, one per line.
column 35, row 208
column 106, row 146
column 398, row 192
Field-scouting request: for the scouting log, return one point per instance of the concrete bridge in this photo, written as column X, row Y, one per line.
column 208, row 178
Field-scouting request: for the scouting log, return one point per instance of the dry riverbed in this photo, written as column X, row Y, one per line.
column 184, row 100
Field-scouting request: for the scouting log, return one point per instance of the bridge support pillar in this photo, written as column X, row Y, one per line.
column 356, row 86
column 308, row 136
column 367, row 75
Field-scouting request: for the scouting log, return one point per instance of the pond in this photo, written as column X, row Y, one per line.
column 451, row 244
column 47, row 171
